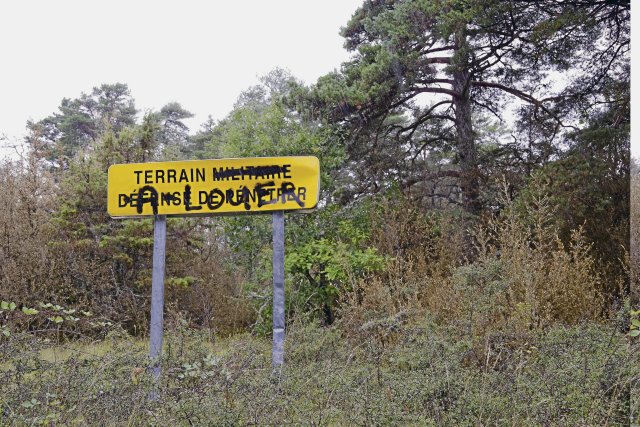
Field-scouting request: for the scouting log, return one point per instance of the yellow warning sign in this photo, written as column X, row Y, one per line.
column 205, row 187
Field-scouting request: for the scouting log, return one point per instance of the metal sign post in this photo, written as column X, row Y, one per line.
column 277, row 356
column 157, row 296
column 211, row 187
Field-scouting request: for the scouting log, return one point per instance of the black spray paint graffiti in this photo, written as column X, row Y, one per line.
column 260, row 195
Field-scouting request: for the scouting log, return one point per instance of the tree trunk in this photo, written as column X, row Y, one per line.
column 466, row 148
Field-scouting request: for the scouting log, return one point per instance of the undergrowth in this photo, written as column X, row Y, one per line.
column 418, row 329
column 426, row 375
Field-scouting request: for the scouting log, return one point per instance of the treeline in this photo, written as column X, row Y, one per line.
column 475, row 164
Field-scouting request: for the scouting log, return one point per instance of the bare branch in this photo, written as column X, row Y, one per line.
column 440, row 49
column 450, row 92
column 430, row 81
column 439, row 60
column 434, row 175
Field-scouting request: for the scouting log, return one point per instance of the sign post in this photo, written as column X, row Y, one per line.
column 157, row 294
column 210, row 187
column 277, row 354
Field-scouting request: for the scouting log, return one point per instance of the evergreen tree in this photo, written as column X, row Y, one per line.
column 421, row 70
column 173, row 133
column 81, row 121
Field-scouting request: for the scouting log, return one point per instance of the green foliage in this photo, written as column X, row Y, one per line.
column 184, row 282
column 634, row 327
column 172, row 129
column 7, row 305
column 473, row 55
column 263, row 124
column 588, row 188
column 266, row 132
column 325, row 269
column 47, row 320
column 104, row 265
column 80, row 122
column 518, row 325
column 29, row 311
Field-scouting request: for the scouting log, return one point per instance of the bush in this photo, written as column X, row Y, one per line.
column 547, row 280
column 521, row 278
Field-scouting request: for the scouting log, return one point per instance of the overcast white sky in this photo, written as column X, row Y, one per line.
column 199, row 53
column 196, row 52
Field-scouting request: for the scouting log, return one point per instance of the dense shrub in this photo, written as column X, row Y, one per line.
column 59, row 246
column 28, row 199
column 522, row 276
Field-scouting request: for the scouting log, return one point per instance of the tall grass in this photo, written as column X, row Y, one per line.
column 522, row 277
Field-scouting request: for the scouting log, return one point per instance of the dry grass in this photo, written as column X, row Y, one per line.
column 522, row 278
column 565, row 376
column 423, row 250
column 545, row 282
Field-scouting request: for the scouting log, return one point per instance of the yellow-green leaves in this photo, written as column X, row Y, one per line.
column 56, row 319
column 29, row 311
column 634, row 328
column 9, row 306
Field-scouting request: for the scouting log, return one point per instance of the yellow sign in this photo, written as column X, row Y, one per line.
column 205, row 187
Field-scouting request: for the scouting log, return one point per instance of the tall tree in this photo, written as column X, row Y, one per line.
column 79, row 122
column 114, row 105
column 421, row 70
column 202, row 138
column 171, row 127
